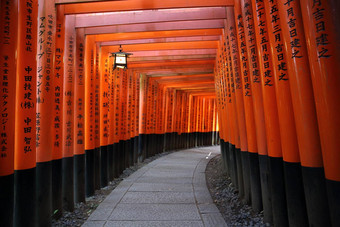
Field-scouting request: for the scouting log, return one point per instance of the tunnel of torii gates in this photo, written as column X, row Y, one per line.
column 259, row 77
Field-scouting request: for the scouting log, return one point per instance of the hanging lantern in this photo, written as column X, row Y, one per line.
column 120, row 59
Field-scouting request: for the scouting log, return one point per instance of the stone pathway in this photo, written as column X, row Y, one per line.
column 170, row 191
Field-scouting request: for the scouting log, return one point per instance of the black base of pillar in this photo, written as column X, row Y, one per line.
column 67, row 183
column 44, row 193
column 239, row 171
column 115, row 160
column 97, row 168
column 135, row 149
column 131, row 151
column 25, row 198
column 333, row 188
column 57, row 192
column 256, row 196
column 278, row 192
column 233, row 165
column 223, row 154
column 316, row 196
column 142, row 147
column 110, row 158
column 296, row 203
column 79, row 178
column 6, row 200
column 103, row 167
column 121, row 156
column 246, row 176
column 266, row 190
column 89, row 173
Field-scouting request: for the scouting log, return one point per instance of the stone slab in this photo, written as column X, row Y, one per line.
column 155, row 212
column 170, row 180
column 154, row 224
column 159, row 187
column 158, row 197
column 213, row 220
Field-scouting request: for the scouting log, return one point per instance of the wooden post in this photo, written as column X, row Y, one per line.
column 8, row 45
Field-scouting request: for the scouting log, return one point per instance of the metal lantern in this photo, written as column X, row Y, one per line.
column 120, row 59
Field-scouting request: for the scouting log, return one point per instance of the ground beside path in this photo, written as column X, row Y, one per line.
column 169, row 191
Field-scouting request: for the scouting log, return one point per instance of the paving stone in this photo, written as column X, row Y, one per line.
column 93, row 224
column 207, row 208
column 102, row 212
column 114, row 198
column 213, row 220
column 154, row 224
column 203, row 196
column 156, row 187
column 158, row 197
column 155, row 212
column 171, row 180
column 176, row 174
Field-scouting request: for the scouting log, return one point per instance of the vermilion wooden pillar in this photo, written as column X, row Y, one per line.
column 321, row 26
column 227, row 107
column 8, row 44
column 103, row 121
column 79, row 117
column 221, row 90
column 111, row 118
column 68, row 114
column 304, row 112
column 236, row 165
column 296, row 205
column 255, row 184
column 116, row 114
column 57, row 116
column 244, row 156
column 89, row 116
column 25, row 116
column 45, row 96
column 96, row 83
column 142, row 116
column 254, row 68
column 271, row 115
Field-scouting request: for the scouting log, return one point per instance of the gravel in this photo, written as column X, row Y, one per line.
column 226, row 198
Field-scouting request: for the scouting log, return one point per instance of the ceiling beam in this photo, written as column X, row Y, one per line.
column 164, row 26
column 160, row 40
column 171, row 71
column 170, row 57
column 181, row 76
column 76, row 7
column 167, row 63
column 164, row 46
column 187, row 52
column 149, row 16
column 158, row 34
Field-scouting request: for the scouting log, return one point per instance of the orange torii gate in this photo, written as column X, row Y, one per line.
column 262, row 75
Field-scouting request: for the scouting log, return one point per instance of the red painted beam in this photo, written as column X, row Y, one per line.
column 164, row 46
column 149, row 16
column 161, row 40
column 187, row 52
column 72, row 7
column 164, row 26
column 158, row 34
column 171, row 58
column 170, row 63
